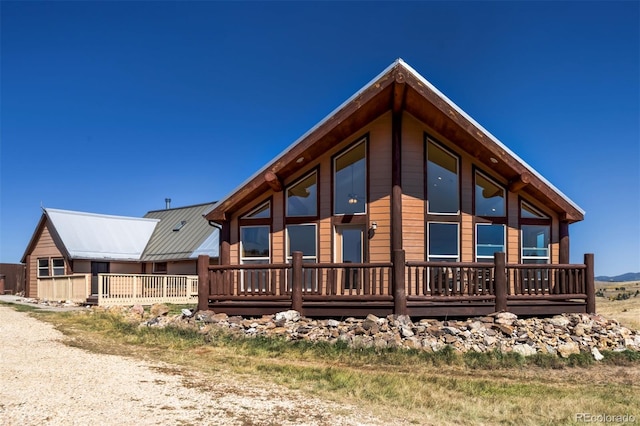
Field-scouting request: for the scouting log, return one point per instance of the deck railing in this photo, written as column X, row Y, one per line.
column 495, row 285
column 132, row 289
column 74, row 288
column 444, row 280
column 236, row 282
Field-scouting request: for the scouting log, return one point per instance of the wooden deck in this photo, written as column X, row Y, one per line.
column 417, row 289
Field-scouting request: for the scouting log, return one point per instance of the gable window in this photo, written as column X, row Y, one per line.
column 57, row 266
column 443, row 194
column 490, row 197
column 43, row 267
column 263, row 211
column 443, row 242
column 302, row 197
column 350, row 181
column 535, row 228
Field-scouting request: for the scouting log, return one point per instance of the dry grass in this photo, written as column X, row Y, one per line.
column 627, row 312
column 409, row 389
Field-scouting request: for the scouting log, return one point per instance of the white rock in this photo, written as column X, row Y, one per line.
column 596, row 354
column 524, row 350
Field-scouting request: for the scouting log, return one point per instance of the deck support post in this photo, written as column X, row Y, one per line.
column 564, row 243
column 589, row 282
column 500, row 277
column 203, row 282
column 399, row 295
column 225, row 243
column 296, row 282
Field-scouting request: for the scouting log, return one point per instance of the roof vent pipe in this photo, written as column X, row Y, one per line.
column 167, row 201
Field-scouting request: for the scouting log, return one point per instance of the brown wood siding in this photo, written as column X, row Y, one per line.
column 379, row 164
column 413, row 192
column 325, row 228
column 413, row 207
column 278, row 249
column 45, row 247
column 513, row 228
column 467, row 227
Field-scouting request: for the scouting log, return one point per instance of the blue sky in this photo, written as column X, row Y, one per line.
column 109, row 107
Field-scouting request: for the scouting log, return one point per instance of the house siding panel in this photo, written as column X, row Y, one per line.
column 413, row 221
column 44, row 248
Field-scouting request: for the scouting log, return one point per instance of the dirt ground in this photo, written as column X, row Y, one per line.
column 45, row 382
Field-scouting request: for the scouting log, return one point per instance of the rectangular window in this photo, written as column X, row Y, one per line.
column 43, row 267
column 490, row 197
column 443, row 242
column 255, row 249
column 160, row 268
column 303, row 238
column 302, row 197
column 350, row 181
column 443, row 195
column 535, row 243
column 490, row 239
column 58, row 266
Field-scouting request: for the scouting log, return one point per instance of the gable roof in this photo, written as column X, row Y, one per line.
column 181, row 233
column 399, row 87
column 97, row 236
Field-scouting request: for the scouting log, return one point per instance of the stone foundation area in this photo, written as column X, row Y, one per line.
column 562, row 335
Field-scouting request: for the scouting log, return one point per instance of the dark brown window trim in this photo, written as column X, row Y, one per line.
column 294, row 219
column 496, row 219
column 427, row 137
column 350, row 219
column 364, row 138
column 261, row 221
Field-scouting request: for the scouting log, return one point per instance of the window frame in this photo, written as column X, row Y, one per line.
column 489, row 258
column 311, row 285
column 160, row 268
column 430, row 140
column 446, row 257
column 543, row 220
column 40, row 267
column 58, row 268
column 360, row 141
column 501, row 218
column 302, row 218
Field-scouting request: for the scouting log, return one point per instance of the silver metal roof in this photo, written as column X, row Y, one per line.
column 182, row 234
column 101, row 237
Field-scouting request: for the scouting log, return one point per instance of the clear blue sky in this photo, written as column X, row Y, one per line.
column 109, row 107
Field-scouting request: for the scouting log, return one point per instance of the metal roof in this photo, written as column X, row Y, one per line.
column 182, row 234
column 101, row 237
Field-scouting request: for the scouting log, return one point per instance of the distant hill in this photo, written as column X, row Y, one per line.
column 629, row 276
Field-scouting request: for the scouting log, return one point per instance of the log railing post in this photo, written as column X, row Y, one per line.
column 500, row 277
column 296, row 282
column 203, row 282
column 589, row 282
column 399, row 295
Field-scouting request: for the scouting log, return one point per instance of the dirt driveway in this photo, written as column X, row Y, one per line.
column 45, row 382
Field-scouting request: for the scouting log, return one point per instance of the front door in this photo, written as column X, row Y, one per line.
column 97, row 268
column 350, row 249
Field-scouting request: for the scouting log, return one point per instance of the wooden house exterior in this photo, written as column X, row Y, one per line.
column 397, row 202
column 109, row 260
